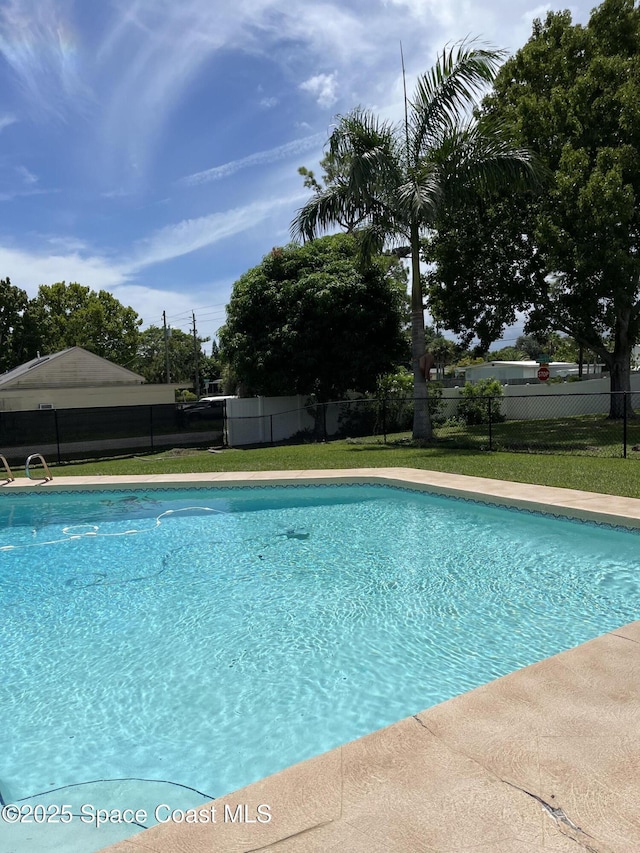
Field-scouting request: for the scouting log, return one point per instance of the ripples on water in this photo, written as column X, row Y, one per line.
column 212, row 638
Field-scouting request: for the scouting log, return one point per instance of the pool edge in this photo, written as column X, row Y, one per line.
column 568, row 503
column 541, row 758
column 437, row 780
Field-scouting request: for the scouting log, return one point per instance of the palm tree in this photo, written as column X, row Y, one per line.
column 394, row 179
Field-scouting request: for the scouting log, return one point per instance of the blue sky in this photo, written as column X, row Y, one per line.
column 151, row 147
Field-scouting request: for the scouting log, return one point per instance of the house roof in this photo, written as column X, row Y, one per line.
column 36, row 365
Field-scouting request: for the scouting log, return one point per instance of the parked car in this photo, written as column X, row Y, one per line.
column 207, row 408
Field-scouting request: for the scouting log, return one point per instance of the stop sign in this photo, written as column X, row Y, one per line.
column 543, row 373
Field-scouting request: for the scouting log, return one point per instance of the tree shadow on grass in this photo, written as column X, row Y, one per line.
column 433, row 450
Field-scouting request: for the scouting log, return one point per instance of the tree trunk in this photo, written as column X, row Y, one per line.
column 421, row 419
column 319, row 424
column 619, row 364
column 620, row 371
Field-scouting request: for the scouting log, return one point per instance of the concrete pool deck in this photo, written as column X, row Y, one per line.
column 546, row 758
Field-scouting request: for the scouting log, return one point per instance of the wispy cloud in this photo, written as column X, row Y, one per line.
column 9, row 195
column 117, row 193
column 68, row 244
column 29, row 269
column 323, row 86
column 339, row 33
column 38, row 43
column 150, row 302
column 28, row 177
column 190, row 235
column 68, row 258
column 7, row 120
column 167, row 44
column 260, row 158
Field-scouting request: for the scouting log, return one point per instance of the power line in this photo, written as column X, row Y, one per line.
column 197, row 308
column 212, row 314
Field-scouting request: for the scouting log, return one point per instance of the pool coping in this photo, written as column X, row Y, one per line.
column 559, row 502
column 546, row 757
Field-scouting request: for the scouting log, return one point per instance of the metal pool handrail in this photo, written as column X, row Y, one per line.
column 10, row 478
column 48, row 474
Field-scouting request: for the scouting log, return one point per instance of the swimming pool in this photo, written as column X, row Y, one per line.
column 206, row 637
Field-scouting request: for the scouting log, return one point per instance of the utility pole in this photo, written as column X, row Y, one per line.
column 196, row 358
column 166, row 348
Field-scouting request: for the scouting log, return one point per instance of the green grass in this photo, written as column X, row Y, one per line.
column 609, row 476
column 579, row 435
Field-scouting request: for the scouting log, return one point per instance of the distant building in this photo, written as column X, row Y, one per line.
column 212, row 386
column 506, row 371
column 75, row 378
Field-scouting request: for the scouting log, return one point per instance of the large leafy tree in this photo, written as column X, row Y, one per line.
column 310, row 320
column 572, row 256
column 67, row 315
column 482, row 266
column 13, row 304
column 150, row 361
column 394, row 179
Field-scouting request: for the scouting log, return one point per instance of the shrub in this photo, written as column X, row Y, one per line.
column 473, row 408
column 394, row 394
column 185, row 397
column 358, row 417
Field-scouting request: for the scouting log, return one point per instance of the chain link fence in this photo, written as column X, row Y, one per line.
column 572, row 423
column 63, row 434
column 546, row 423
column 576, row 423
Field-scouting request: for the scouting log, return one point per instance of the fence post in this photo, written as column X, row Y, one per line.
column 384, row 419
column 624, row 424
column 324, row 420
column 490, row 424
column 151, row 427
column 271, row 427
column 55, row 423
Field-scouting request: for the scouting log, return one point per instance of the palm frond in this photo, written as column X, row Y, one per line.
column 444, row 95
column 480, row 156
column 365, row 182
column 421, row 196
column 367, row 146
column 322, row 211
column 372, row 239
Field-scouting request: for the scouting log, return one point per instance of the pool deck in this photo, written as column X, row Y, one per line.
column 546, row 758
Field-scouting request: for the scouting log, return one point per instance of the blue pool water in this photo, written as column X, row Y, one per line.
column 207, row 638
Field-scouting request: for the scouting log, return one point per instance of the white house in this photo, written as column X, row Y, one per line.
column 506, row 370
column 76, row 378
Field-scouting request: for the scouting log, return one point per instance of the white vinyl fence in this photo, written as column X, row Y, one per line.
column 262, row 420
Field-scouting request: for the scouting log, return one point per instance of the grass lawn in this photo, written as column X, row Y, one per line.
column 584, row 434
column 614, row 476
